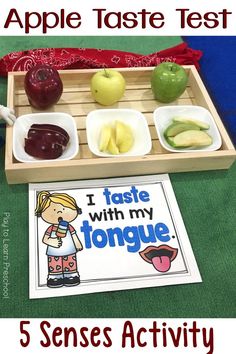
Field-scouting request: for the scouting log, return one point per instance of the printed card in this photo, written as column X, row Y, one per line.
column 104, row 235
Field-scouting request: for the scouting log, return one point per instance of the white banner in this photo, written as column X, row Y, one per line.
column 167, row 336
column 122, row 18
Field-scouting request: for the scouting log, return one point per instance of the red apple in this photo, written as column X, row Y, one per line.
column 43, row 86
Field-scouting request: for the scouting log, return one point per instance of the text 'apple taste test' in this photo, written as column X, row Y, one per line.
column 102, row 18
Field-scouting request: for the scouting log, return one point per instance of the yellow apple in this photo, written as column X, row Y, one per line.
column 107, row 86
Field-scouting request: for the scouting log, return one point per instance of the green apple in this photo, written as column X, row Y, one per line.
column 107, row 86
column 168, row 81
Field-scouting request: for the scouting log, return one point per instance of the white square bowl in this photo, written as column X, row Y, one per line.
column 23, row 124
column 135, row 119
column 163, row 118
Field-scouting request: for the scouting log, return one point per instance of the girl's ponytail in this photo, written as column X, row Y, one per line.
column 43, row 202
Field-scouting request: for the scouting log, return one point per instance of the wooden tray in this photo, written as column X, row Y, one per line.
column 77, row 101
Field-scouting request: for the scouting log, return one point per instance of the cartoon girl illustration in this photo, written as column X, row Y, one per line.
column 59, row 210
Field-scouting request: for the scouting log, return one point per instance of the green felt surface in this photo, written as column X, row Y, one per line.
column 207, row 203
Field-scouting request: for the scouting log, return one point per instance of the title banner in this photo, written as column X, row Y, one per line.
column 118, row 18
column 99, row 336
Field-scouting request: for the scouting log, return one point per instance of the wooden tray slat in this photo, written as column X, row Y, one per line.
column 75, row 97
column 80, row 109
column 77, row 101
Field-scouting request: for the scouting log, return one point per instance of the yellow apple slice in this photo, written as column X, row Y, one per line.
column 124, row 136
column 121, row 132
column 126, row 145
column 112, row 147
column 105, row 136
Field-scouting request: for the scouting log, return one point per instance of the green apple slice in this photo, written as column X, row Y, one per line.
column 105, row 136
column 176, row 128
column 190, row 138
column 199, row 123
column 124, row 137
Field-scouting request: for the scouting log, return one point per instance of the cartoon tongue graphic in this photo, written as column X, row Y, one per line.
column 161, row 263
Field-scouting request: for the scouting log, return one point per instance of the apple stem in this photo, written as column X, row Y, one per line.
column 172, row 68
column 42, row 75
column 106, row 73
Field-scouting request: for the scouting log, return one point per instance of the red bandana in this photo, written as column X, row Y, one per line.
column 85, row 58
